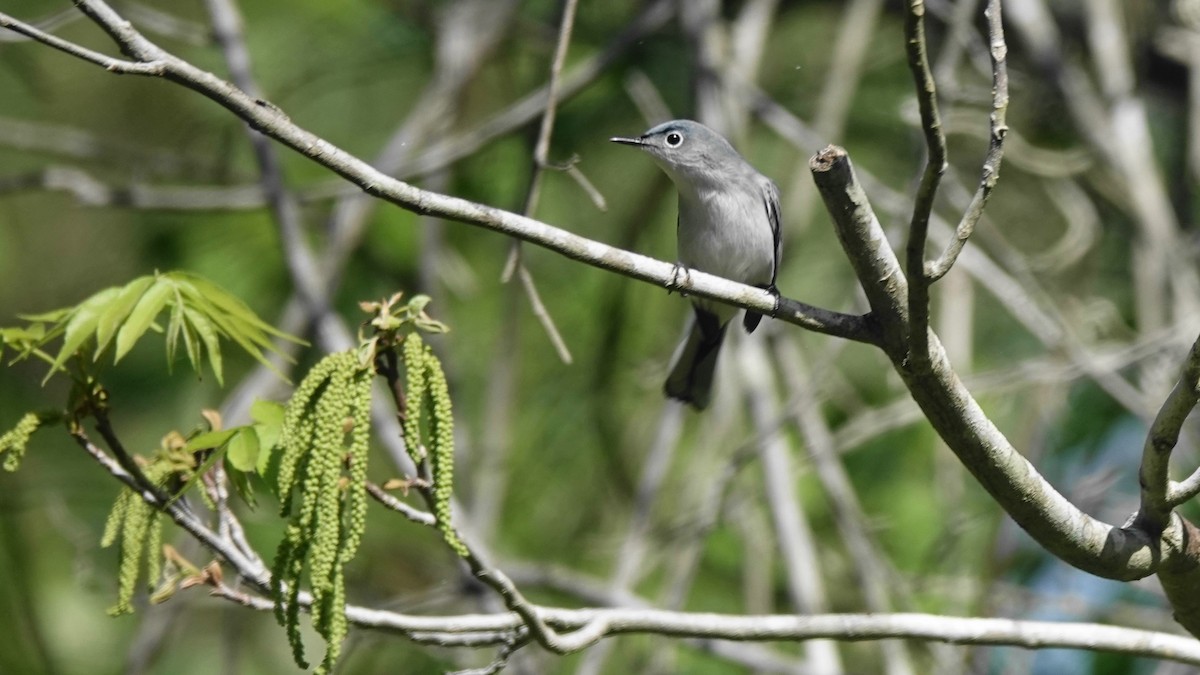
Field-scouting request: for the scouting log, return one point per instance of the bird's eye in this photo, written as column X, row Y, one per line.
column 674, row 139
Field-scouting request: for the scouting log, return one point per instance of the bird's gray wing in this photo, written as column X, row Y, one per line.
column 771, row 202
column 770, row 197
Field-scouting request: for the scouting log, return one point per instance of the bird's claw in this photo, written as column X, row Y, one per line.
column 675, row 285
column 778, row 300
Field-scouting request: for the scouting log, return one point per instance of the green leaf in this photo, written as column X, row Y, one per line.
column 267, row 412
column 268, row 418
column 210, row 439
column 175, row 326
column 267, row 466
column 208, row 334
column 114, row 315
column 242, row 453
column 142, row 316
column 231, row 305
column 418, row 303
column 53, row 316
column 22, row 339
column 80, row 326
column 431, row 325
column 246, row 340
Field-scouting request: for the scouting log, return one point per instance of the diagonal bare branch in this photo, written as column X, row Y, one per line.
column 270, row 120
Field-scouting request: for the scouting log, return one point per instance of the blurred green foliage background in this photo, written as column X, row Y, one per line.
column 350, row 72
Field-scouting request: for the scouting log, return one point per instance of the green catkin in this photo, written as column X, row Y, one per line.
column 283, row 558
column 325, row 423
column 15, row 440
column 442, row 456
column 296, row 435
column 154, row 549
column 337, row 624
column 414, row 373
column 289, row 563
column 133, row 541
column 139, row 528
column 116, row 518
column 295, row 568
column 352, row 508
column 322, row 496
column 356, row 493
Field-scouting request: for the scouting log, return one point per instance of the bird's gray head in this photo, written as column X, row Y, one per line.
column 689, row 152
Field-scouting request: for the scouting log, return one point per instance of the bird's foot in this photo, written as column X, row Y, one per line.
column 679, row 271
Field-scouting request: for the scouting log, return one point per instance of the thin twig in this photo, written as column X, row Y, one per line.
column 997, row 129
column 543, row 314
column 388, row 501
column 113, row 65
column 1185, row 490
column 541, row 160
column 493, row 577
column 479, row 630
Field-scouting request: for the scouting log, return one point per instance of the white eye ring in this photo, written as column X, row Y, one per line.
column 674, row 139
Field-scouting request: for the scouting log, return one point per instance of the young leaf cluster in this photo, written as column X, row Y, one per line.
column 199, row 314
column 429, row 403
column 238, row 446
column 323, row 458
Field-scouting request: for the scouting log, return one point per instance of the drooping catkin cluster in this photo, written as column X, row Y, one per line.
column 428, row 399
column 325, row 428
column 14, row 441
column 140, row 530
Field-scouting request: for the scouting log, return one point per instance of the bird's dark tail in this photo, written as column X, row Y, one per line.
column 691, row 378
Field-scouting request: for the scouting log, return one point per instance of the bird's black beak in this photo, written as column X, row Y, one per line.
column 627, row 141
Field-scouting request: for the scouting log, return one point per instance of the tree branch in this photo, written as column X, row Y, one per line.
column 863, row 240
column 1049, row 517
column 935, row 166
column 483, row 629
column 267, row 118
column 1158, row 499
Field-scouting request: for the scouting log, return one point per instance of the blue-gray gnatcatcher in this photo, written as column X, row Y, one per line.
column 728, row 226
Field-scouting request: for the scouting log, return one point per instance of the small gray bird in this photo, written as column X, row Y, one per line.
column 728, row 226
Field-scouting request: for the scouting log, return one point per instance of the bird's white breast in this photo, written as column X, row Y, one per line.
column 727, row 232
